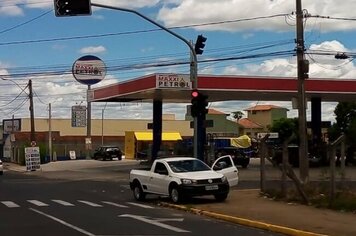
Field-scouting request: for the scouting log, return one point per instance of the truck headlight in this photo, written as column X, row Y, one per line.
column 223, row 179
column 188, row 181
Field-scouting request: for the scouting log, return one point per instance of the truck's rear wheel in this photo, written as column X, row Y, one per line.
column 138, row 193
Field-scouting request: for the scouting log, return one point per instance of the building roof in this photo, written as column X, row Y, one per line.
column 249, row 124
column 264, row 108
column 215, row 112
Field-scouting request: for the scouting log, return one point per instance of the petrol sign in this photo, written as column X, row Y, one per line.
column 173, row 81
column 89, row 70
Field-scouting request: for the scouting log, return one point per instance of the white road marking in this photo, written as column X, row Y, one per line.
column 37, row 203
column 140, row 205
column 10, row 204
column 155, row 222
column 63, row 222
column 115, row 204
column 126, row 186
column 90, row 203
column 64, row 203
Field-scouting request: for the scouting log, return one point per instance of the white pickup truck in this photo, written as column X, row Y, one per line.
column 182, row 177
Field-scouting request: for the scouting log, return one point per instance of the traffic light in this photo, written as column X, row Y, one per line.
column 72, row 7
column 199, row 103
column 194, row 109
column 200, row 44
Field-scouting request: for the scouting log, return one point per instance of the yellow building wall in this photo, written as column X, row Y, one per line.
column 112, row 127
column 263, row 118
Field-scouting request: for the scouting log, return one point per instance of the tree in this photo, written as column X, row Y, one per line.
column 285, row 127
column 237, row 115
column 345, row 123
column 345, row 115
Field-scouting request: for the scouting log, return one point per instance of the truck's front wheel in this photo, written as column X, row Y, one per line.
column 138, row 193
column 175, row 194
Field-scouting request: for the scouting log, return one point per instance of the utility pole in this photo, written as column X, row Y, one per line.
column 303, row 69
column 50, row 131
column 32, row 116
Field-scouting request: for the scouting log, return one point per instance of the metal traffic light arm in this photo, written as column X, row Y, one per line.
column 194, row 62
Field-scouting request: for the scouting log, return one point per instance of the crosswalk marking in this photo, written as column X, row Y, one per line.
column 37, row 203
column 115, row 204
column 140, row 205
column 10, row 204
column 90, row 203
column 64, row 203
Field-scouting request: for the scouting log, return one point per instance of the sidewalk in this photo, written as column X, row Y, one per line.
column 247, row 207
column 244, row 207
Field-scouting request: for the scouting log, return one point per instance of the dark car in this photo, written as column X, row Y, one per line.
column 238, row 155
column 108, row 152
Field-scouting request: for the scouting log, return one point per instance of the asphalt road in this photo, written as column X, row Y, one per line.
column 93, row 201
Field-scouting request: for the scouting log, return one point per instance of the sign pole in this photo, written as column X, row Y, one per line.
column 88, row 125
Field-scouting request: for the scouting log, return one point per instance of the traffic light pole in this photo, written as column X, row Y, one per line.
column 193, row 63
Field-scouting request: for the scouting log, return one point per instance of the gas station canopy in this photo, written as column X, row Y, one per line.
column 176, row 88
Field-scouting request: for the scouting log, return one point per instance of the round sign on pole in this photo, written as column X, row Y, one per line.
column 89, row 70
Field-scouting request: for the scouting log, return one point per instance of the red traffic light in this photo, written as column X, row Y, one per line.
column 195, row 94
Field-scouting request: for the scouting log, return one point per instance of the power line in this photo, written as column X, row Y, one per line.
column 331, row 17
column 25, row 23
column 139, row 31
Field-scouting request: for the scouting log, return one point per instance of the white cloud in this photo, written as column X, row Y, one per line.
column 38, row 4
column 11, row 11
column 229, row 10
column 92, row 50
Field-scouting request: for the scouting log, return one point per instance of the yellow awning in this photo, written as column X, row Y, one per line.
column 166, row 136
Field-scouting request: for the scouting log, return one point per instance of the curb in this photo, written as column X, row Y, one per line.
column 242, row 221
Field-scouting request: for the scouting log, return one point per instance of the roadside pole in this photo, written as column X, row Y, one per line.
column 302, row 65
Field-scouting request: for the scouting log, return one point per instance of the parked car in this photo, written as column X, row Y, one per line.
column 1, row 168
column 180, row 177
column 108, row 152
column 238, row 155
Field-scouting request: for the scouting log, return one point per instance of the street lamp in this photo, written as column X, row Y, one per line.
column 22, row 89
column 30, row 95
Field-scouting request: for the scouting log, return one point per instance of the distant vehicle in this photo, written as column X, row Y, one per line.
column 293, row 156
column 181, row 177
column 240, row 148
column 238, row 155
column 108, row 152
column 1, row 168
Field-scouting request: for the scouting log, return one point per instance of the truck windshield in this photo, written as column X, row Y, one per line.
column 188, row 166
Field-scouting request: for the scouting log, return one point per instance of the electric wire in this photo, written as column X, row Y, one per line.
column 137, row 31
column 25, row 23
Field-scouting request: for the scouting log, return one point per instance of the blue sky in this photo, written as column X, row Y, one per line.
column 33, row 40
